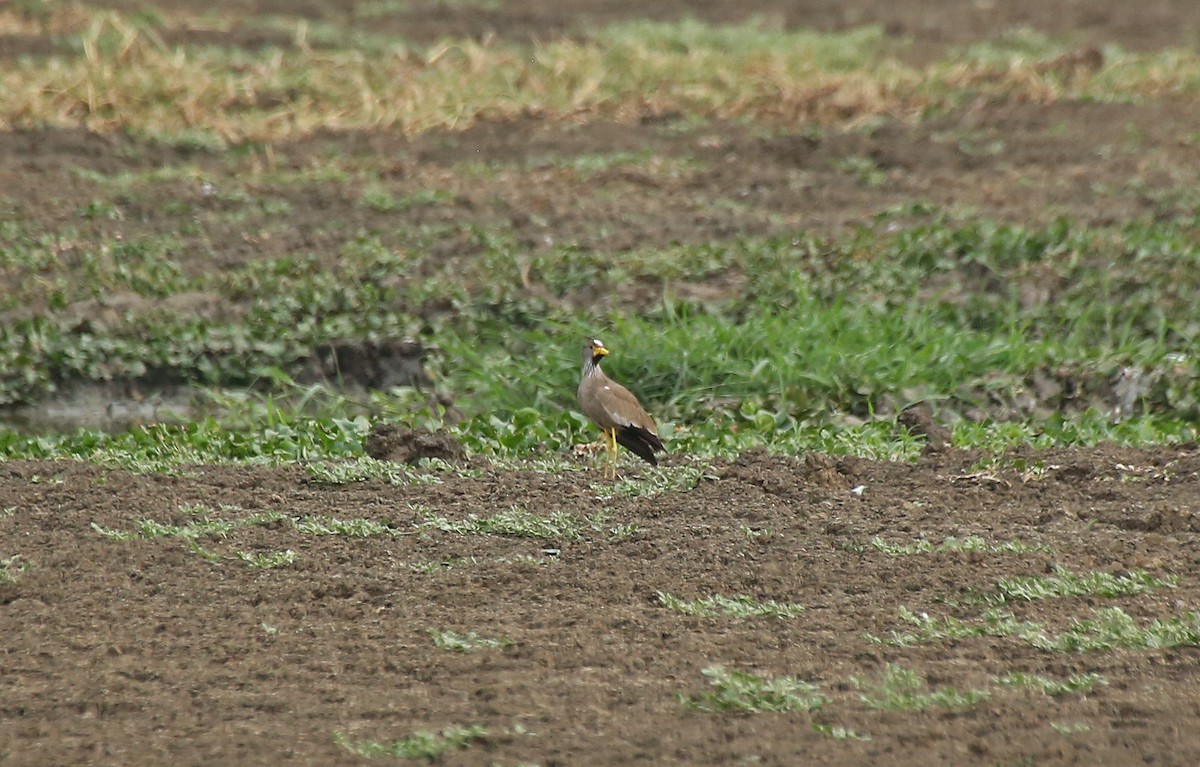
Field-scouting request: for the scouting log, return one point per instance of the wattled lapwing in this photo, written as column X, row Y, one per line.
column 615, row 411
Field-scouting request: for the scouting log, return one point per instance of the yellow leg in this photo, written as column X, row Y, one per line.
column 610, row 445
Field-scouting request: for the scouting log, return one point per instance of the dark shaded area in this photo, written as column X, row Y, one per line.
column 373, row 364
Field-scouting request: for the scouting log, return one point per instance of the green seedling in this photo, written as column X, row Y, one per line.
column 732, row 607
column 422, row 744
column 1076, row 684
column 741, row 692
column 1064, row 583
column 899, row 689
column 451, row 640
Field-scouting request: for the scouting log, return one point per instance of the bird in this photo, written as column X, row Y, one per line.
column 615, row 411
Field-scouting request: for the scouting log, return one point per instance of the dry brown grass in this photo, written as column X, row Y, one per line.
column 127, row 78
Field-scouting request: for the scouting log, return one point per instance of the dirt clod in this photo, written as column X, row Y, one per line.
column 388, row 442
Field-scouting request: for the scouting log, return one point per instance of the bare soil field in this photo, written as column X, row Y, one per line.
column 140, row 651
column 153, row 651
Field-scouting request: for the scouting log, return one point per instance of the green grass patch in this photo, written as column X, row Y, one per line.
column 899, row 689
column 175, row 449
column 657, row 481
column 1111, row 628
column 208, row 555
column 192, row 530
column 731, row 607
column 347, row 528
column 559, row 525
column 1076, row 684
column 993, row 623
column 203, row 526
column 452, row 640
column 721, row 376
column 423, row 744
column 742, row 692
column 1108, row 629
column 864, row 169
column 1064, row 583
column 164, row 448
column 381, row 200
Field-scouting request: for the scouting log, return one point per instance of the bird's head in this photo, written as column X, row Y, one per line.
column 593, row 351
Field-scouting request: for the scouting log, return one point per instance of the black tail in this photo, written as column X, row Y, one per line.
column 641, row 443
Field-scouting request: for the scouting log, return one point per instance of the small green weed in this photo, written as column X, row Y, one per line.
column 1112, row 628
column 200, row 528
column 623, row 531
column 898, row 689
column 838, row 733
column 865, row 170
column 757, row 533
column 382, row 201
column 1064, row 583
column 1070, row 728
column 517, row 522
column 733, row 607
column 350, row 528
column 737, row 691
column 1108, row 629
column 203, row 526
column 422, row 744
column 208, row 555
column 666, row 479
column 1076, row 684
column 11, row 568
column 992, row 623
column 451, row 640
